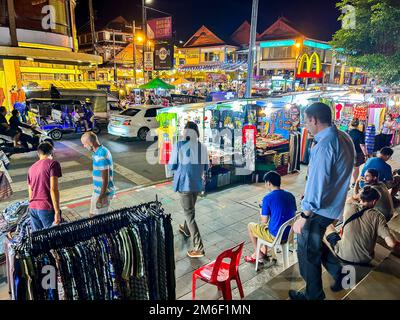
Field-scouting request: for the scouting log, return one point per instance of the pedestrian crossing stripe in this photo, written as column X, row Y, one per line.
column 72, row 176
column 121, row 170
column 24, row 171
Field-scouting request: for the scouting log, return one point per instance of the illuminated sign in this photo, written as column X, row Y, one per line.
column 278, row 43
column 309, row 62
column 317, row 45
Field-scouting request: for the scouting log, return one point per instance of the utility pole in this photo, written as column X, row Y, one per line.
column 12, row 23
column 115, row 62
column 134, row 50
column 144, row 28
column 92, row 27
column 250, row 59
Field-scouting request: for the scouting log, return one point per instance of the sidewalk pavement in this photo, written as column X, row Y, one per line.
column 222, row 217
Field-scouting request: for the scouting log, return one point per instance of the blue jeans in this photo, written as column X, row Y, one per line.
column 312, row 252
column 41, row 219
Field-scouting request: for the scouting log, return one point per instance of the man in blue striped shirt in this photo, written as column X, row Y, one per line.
column 103, row 175
column 329, row 173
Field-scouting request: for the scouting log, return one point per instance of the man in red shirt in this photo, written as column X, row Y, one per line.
column 44, row 196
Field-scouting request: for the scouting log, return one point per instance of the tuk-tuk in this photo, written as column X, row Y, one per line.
column 60, row 116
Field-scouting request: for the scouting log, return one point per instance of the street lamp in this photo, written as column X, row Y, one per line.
column 144, row 28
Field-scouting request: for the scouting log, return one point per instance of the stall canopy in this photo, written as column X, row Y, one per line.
column 181, row 81
column 157, row 83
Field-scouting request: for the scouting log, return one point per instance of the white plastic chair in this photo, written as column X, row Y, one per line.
column 278, row 242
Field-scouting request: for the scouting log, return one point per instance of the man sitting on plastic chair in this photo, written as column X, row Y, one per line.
column 278, row 206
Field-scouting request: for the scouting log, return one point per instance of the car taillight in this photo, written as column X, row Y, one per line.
column 127, row 123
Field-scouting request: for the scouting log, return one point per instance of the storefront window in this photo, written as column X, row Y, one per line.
column 278, row 53
column 26, row 77
column 3, row 13
column 211, row 56
column 29, row 15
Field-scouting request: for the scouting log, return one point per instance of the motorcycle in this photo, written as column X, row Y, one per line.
column 30, row 140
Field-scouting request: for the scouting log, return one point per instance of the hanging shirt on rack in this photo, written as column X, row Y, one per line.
column 5, row 188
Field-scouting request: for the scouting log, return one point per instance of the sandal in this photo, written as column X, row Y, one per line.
column 250, row 259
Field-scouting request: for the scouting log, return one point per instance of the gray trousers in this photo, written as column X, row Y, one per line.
column 188, row 202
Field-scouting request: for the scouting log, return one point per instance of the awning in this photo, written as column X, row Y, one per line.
column 156, row 83
column 181, row 81
column 234, row 66
column 227, row 66
column 45, row 84
column 50, row 56
column 201, row 66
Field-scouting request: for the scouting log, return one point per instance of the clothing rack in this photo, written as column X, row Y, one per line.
column 130, row 252
column 82, row 230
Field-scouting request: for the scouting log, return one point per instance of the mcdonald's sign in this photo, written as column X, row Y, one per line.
column 306, row 66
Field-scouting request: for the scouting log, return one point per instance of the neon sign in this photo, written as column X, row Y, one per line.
column 309, row 62
column 278, row 43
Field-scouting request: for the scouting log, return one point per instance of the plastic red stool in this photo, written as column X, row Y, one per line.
column 220, row 273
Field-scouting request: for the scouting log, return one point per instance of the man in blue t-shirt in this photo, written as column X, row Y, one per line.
column 278, row 206
column 384, row 170
column 103, row 175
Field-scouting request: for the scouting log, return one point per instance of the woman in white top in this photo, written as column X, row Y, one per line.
column 388, row 130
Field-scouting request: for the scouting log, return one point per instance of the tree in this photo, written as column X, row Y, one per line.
column 373, row 40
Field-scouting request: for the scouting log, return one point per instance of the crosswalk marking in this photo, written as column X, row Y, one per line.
column 123, row 171
column 24, row 171
column 72, row 176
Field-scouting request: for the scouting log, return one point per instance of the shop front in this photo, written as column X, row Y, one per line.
column 245, row 138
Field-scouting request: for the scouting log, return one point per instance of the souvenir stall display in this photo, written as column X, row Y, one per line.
column 393, row 108
column 10, row 217
column 302, row 101
column 125, row 254
column 242, row 137
column 217, row 123
column 277, row 124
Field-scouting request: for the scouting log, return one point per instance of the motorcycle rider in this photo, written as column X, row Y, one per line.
column 5, row 128
column 15, row 127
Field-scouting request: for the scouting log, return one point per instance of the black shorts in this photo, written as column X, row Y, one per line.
column 360, row 159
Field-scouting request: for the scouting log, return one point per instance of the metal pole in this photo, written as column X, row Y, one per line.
column 115, row 63
column 92, row 27
column 250, row 59
column 12, row 23
column 134, row 50
column 144, row 28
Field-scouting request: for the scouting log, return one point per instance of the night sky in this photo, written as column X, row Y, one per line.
column 316, row 18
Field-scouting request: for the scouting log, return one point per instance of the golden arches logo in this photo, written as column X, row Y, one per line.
column 309, row 62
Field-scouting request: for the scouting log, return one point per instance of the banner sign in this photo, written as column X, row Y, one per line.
column 163, row 56
column 160, row 28
column 148, row 61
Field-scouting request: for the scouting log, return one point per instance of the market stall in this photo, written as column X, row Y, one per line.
column 245, row 138
column 158, row 89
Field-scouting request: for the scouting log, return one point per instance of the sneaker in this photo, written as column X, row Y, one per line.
column 296, row 295
column 195, row 254
column 182, row 230
column 337, row 286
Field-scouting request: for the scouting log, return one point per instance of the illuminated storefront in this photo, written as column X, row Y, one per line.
column 38, row 46
column 284, row 51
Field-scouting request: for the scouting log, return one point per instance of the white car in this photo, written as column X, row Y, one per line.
column 135, row 122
